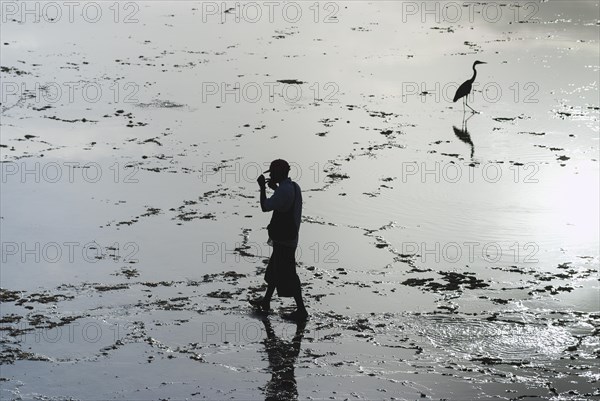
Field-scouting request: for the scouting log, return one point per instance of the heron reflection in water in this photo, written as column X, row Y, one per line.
column 463, row 134
column 282, row 355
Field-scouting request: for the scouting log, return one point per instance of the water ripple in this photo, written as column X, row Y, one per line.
column 496, row 341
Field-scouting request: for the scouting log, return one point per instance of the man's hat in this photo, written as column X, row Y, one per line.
column 278, row 165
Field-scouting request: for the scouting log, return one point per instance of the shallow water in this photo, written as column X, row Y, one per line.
column 437, row 263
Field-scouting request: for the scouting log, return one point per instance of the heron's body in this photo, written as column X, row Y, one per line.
column 464, row 90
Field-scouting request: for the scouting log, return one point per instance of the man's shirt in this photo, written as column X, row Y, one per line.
column 282, row 200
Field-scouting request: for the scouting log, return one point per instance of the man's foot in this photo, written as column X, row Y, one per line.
column 261, row 304
column 297, row 316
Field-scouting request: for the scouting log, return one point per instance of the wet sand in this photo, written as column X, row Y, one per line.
column 440, row 258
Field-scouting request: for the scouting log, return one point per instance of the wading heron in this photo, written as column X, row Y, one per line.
column 464, row 90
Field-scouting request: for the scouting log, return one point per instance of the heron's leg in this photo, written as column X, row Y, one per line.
column 467, row 120
column 474, row 111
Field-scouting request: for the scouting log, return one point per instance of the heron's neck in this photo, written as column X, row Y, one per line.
column 474, row 74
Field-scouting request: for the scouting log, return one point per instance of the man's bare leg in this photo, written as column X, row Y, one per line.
column 266, row 301
column 300, row 303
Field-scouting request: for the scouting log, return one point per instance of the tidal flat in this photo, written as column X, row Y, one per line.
column 443, row 254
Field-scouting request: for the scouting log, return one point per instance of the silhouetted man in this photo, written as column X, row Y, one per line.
column 286, row 204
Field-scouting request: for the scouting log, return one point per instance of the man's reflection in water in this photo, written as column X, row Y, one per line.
column 282, row 356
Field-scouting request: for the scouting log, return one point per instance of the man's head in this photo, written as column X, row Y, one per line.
column 278, row 170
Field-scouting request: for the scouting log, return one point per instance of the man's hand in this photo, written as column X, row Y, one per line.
column 263, row 192
column 261, row 181
column 272, row 184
